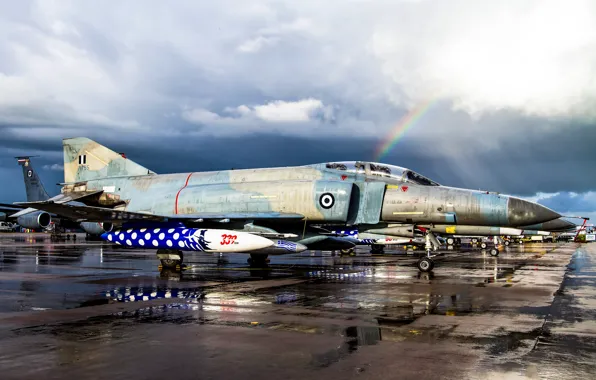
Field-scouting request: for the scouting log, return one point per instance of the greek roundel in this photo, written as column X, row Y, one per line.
column 326, row 200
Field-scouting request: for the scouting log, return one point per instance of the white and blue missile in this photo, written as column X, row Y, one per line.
column 188, row 239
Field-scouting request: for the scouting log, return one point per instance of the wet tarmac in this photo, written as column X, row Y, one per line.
column 91, row 310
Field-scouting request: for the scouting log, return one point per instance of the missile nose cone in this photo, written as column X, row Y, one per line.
column 522, row 213
column 300, row 247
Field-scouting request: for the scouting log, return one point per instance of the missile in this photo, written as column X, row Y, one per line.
column 282, row 247
column 188, row 239
column 531, row 232
column 474, row 230
column 378, row 239
column 399, row 241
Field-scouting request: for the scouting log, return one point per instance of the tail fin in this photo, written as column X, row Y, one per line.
column 84, row 160
column 33, row 186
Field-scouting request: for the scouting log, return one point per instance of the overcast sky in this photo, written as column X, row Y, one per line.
column 201, row 85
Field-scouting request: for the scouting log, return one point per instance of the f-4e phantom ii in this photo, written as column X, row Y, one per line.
column 300, row 203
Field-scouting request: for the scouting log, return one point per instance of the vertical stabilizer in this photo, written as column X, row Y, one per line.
column 33, row 185
column 84, row 160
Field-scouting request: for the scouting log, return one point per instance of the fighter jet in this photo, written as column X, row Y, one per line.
column 285, row 202
column 35, row 219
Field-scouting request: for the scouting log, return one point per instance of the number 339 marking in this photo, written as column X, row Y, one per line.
column 228, row 239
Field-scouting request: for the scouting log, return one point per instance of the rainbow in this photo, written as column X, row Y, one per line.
column 405, row 123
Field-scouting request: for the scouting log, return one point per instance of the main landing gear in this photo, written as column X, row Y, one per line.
column 426, row 264
column 170, row 259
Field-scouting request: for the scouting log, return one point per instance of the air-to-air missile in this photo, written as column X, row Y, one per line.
column 188, row 239
column 272, row 202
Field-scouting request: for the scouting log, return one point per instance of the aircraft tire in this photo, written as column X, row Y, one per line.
column 256, row 259
column 170, row 263
column 483, row 245
column 425, row 264
column 349, row 251
column 494, row 252
column 450, row 241
column 507, row 242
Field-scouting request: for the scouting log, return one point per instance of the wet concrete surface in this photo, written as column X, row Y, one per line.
column 91, row 310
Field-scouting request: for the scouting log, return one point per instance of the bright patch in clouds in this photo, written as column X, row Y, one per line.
column 536, row 57
column 55, row 167
column 278, row 111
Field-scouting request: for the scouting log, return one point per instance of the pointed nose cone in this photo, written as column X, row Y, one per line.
column 558, row 225
column 522, row 213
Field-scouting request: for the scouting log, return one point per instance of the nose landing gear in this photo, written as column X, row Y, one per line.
column 426, row 264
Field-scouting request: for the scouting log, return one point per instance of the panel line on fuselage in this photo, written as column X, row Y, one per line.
column 179, row 191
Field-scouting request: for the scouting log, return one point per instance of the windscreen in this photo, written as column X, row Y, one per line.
column 377, row 169
column 419, row 179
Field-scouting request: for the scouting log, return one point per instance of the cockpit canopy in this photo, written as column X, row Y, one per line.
column 381, row 170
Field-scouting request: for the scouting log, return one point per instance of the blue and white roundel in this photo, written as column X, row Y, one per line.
column 186, row 239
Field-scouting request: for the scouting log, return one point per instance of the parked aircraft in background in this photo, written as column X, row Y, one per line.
column 39, row 220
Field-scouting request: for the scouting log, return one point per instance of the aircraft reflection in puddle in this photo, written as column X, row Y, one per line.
column 355, row 336
column 139, row 294
column 334, row 275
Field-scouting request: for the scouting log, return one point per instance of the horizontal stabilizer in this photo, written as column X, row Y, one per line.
column 102, row 214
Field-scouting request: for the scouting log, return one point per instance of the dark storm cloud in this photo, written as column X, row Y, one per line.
column 571, row 202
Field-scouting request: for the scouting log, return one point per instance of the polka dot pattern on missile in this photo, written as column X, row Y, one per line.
column 189, row 239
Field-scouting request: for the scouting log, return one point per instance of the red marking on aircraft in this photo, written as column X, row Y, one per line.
column 343, row 177
column 178, row 193
column 404, row 188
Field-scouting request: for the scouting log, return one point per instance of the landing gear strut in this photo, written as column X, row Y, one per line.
column 170, row 258
column 426, row 264
column 258, row 259
column 377, row 249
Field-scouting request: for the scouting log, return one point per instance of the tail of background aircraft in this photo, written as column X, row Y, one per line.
column 84, row 160
column 33, row 185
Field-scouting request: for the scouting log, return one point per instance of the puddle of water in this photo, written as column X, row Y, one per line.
column 355, row 336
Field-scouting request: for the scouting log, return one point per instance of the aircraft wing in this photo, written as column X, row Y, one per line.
column 102, row 214
column 61, row 198
column 9, row 211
